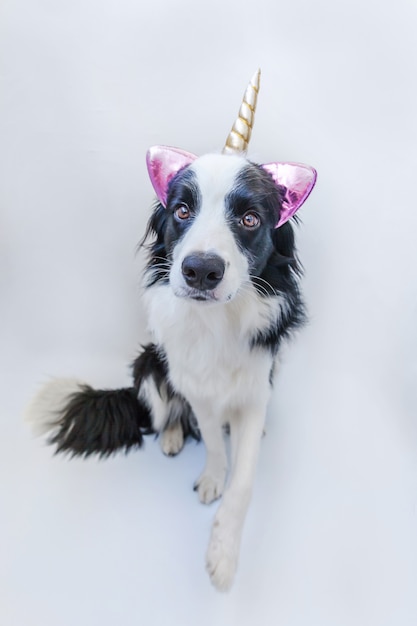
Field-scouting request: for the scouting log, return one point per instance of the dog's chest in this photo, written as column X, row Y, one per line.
column 208, row 346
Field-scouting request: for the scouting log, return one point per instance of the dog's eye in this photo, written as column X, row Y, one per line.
column 250, row 220
column 182, row 212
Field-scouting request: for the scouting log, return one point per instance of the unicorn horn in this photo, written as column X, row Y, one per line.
column 239, row 136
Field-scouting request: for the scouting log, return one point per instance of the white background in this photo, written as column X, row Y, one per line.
column 86, row 86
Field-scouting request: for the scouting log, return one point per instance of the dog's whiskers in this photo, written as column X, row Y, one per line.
column 160, row 260
column 162, row 265
column 264, row 288
column 247, row 289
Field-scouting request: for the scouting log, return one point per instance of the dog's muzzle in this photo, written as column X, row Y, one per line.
column 203, row 271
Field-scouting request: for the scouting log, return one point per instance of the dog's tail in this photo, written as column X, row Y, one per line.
column 83, row 421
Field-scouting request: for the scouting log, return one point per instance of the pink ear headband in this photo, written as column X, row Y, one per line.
column 164, row 162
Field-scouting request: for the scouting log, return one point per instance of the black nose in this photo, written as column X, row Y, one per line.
column 203, row 271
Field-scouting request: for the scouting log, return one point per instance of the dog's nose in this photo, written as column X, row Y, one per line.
column 203, row 271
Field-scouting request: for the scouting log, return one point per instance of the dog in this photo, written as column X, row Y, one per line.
column 222, row 292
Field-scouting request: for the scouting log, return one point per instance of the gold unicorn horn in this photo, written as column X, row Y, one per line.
column 239, row 136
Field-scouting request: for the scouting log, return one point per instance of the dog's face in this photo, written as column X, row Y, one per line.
column 219, row 226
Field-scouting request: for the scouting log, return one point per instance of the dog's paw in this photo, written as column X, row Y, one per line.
column 172, row 439
column 222, row 556
column 209, row 487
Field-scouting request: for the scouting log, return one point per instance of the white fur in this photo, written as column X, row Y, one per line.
column 156, row 401
column 162, row 408
column 212, row 364
column 42, row 414
column 172, row 439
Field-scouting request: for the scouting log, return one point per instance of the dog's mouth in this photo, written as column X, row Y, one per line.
column 198, row 295
column 201, row 298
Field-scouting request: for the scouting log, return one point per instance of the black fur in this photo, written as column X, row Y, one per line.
column 152, row 363
column 158, row 264
column 255, row 192
column 101, row 422
column 165, row 228
column 280, row 276
column 183, row 190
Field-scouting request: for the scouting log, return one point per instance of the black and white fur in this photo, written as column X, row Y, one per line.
column 221, row 293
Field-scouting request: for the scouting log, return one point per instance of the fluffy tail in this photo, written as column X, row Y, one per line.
column 83, row 421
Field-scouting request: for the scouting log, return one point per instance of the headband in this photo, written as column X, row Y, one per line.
column 164, row 162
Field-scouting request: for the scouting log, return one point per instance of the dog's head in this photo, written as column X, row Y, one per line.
column 222, row 220
column 216, row 227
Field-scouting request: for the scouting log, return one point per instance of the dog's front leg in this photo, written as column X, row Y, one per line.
column 246, row 429
column 210, row 483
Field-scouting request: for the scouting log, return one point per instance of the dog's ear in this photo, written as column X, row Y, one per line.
column 163, row 163
column 298, row 180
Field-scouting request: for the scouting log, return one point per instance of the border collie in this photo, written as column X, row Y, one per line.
column 221, row 291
